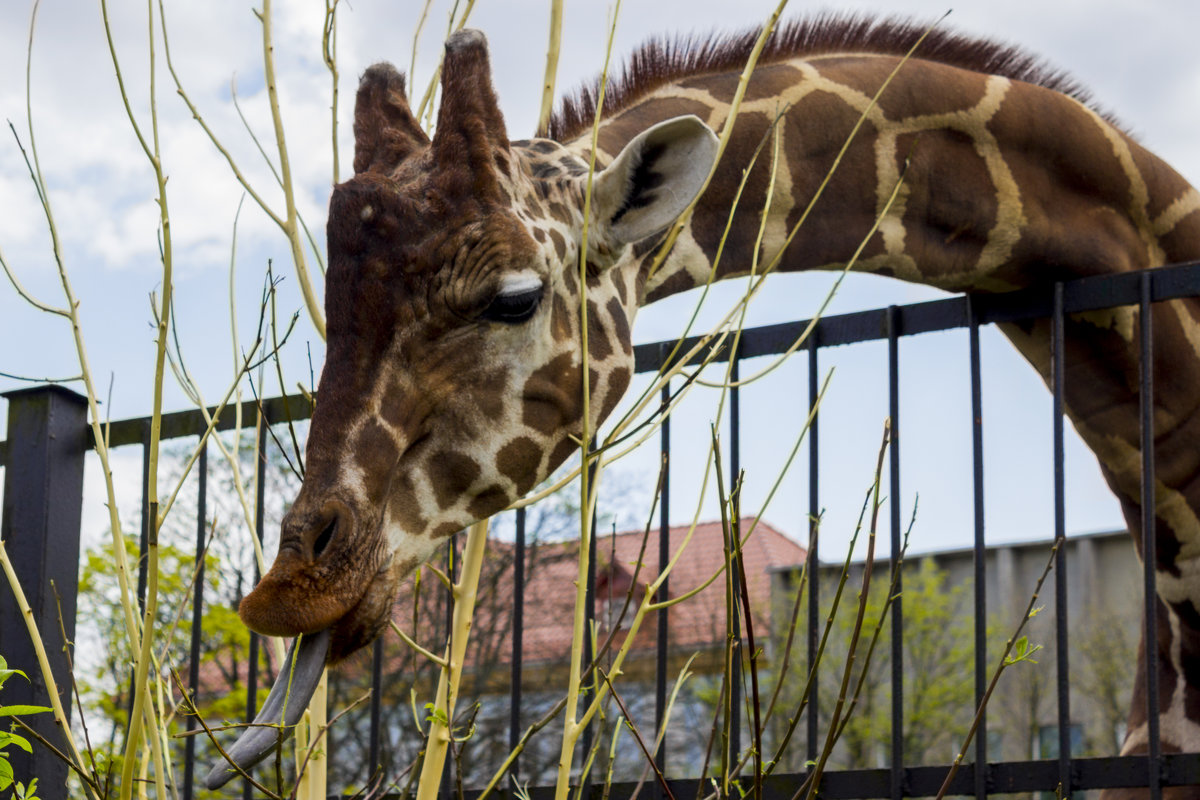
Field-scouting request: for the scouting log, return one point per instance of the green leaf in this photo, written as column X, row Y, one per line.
column 436, row 715
column 20, row 711
column 7, row 738
column 6, row 673
column 6, row 774
column 1022, row 651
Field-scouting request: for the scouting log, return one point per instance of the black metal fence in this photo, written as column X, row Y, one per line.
column 48, row 438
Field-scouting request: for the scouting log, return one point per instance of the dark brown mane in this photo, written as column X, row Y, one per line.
column 662, row 60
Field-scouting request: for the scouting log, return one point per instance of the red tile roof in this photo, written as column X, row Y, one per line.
column 694, row 624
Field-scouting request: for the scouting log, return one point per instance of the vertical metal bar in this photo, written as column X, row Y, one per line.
column 811, row 558
column 143, row 540
column 43, row 504
column 664, row 557
column 1149, row 549
column 375, row 742
column 981, row 656
column 1057, row 373
column 259, row 503
column 445, row 790
column 189, row 758
column 735, row 466
column 143, row 544
column 518, row 636
column 897, row 777
column 589, row 654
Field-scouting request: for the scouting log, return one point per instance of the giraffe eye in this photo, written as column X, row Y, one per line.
column 514, row 307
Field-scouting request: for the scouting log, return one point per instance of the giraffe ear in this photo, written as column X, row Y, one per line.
column 653, row 179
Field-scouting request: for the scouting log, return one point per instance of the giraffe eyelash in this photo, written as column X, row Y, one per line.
column 515, row 304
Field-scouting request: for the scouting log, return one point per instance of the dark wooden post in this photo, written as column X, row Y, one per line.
column 43, row 502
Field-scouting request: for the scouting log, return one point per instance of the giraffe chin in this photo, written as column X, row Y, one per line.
column 363, row 624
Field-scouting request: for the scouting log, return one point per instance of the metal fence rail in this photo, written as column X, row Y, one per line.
column 43, row 482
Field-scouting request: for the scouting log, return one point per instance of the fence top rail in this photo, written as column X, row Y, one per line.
column 1079, row 295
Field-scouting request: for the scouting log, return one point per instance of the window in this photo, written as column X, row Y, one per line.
column 1046, row 746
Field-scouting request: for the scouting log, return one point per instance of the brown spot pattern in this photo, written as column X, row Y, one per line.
column 552, row 395
column 518, row 461
column 560, row 244
column 598, row 344
column 451, row 473
column 375, row 452
column 488, row 502
column 445, row 530
column 620, row 323
column 560, row 320
column 951, row 205
column 403, row 503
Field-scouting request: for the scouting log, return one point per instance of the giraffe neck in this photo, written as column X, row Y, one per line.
column 1002, row 184
column 970, row 183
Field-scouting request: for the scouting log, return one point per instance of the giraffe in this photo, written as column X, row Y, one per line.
column 453, row 376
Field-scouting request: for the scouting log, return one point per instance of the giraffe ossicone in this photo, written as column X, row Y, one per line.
column 453, row 375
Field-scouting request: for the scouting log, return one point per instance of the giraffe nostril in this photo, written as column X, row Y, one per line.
column 324, row 537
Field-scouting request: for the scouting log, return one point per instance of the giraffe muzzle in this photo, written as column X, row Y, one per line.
column 320, row 574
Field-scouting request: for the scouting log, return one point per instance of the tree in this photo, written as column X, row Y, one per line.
column 103, row 674
column 938, row 689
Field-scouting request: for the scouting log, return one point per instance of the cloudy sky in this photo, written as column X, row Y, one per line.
column 1138, row 57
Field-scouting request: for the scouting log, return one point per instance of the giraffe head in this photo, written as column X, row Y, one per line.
column 453, row 373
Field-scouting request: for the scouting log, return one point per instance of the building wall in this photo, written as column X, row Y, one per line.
column 1104, row 601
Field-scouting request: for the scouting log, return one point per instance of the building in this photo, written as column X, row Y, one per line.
column 1103, row 613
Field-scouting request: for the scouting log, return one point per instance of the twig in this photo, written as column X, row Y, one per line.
column 62, row 630
column 830, row 739
column 1005, row 662
column 321, row 731
column 10, row 375
column 212, row 737
column 46, row 743
column 552, row 51
column 412, row 67
column 448, row 682
column 662, row 781
column 21, row 290
column 329, row 56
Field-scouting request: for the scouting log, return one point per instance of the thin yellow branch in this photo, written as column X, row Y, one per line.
column 552, row 51
column 465, row 592
column 143, row 705
column 290, row 226
column 412, row 66
column 571, row 728
column 29, row 298
column 329, row 55
column 408, row 640
column 726, row 134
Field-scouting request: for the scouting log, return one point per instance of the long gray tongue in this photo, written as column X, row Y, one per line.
column 285, row 705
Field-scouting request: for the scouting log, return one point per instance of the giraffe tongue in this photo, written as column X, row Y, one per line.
column 285, row 705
